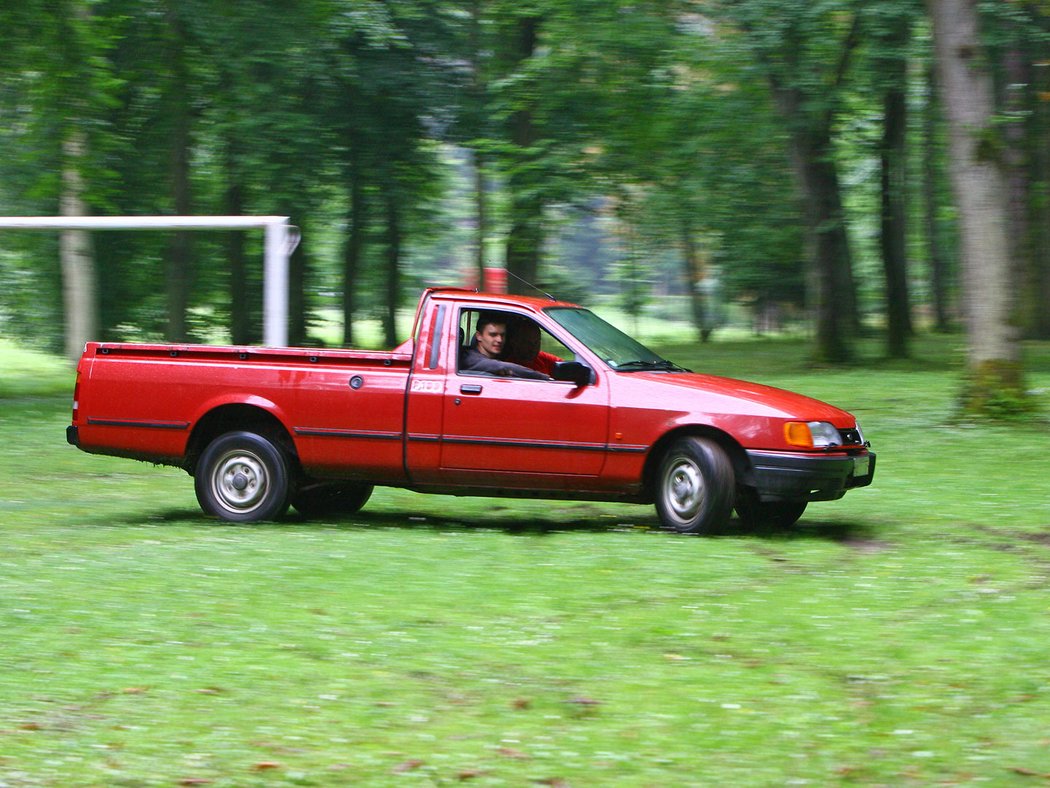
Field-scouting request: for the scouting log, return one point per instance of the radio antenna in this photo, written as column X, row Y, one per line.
column 530, row 284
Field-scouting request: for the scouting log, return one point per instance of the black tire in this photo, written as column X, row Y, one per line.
column 754, row 513
column 695, row 487
column 331, row 498
column 242, row 477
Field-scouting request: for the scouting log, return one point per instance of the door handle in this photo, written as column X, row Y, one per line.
column 470, row 388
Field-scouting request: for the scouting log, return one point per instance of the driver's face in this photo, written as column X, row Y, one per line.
column 490, row 339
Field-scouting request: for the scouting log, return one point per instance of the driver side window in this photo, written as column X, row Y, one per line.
column 507, row 343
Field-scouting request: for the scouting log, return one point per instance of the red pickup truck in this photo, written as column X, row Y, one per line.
column 260, row 429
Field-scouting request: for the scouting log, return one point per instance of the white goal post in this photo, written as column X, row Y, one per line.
column 280, row 241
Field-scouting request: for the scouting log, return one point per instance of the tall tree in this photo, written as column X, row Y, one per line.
column 525, row 238
column 1038, row 281
column 1019, row 33
column 179, row 265
column 475, row 117
column 393, row 240
column 55, row 85
column 891, row 23
column 805, row 51
column 995, row 380
column 389, row 71
column 79, row 285
column 931, row 170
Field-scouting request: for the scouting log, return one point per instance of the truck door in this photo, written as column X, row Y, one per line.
column 426, row 393
column 520, row 433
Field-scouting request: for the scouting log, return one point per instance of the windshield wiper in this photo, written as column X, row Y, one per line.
column 644, row 366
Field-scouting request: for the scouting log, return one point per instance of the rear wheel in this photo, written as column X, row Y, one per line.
column 242, row 477
column 695, row 487
column 331, row 498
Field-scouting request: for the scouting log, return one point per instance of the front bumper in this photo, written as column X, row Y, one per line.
column 780, row 476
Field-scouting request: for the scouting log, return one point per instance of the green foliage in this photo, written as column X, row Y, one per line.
column 30, row 373
column 336, row 111
column 894, row 637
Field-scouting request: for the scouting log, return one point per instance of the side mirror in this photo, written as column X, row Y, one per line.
column 573, row 372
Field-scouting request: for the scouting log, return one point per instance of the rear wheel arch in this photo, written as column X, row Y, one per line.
column 237, row 418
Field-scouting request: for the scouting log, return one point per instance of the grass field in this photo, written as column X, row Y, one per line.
column 896, row 637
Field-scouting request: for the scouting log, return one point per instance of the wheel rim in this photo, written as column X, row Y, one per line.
column 684, row 489
column 240, row 481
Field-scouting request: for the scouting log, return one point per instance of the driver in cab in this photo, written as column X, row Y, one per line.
column 483, row 354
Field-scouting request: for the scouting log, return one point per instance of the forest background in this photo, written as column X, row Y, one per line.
column 785, row 162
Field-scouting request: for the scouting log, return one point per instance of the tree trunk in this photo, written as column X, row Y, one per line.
column 893, row 238
column 180, row 252
column 297, row 265
column 178, row 265
column 994, row 384
column 393, row 268
column 76, row 248
column 353, row 249
column 481, row 217
column 79, row 282
column 836, row 311
column 939, row 284
column 478, row 93
column 1018, row 187
column 240, row 310
column 1040, row 142
column 692, row 280
column 525, row 240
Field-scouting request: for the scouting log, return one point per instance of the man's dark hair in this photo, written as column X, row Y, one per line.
column 485, row 318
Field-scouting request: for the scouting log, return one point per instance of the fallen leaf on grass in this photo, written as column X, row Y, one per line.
column 195, row 781
column 521, row 703
column 470, row 774
column 407, row 766
column 134, row 690
column 510, row 752
column 1026, row 772
column 581, row 700
column 583, row 706
column 263, row 766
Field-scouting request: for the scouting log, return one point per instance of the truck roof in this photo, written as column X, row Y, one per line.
column 497, row 299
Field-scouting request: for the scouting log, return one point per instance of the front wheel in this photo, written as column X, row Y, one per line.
column 754, row 513
column 695, row 487
column 242, row 477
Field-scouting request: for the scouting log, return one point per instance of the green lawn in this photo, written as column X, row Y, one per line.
column 896, row 637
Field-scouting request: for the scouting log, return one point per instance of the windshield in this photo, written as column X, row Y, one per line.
column 614, row 347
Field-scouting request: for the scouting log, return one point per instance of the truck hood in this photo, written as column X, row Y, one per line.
column 714, row 394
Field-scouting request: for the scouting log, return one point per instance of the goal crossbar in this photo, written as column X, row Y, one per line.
column 280, row 241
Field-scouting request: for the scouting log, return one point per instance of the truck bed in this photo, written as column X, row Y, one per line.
column 141, row 400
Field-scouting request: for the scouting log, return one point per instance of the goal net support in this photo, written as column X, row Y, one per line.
column 281, row 238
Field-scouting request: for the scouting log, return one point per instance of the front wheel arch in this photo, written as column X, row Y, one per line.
column 735, row 452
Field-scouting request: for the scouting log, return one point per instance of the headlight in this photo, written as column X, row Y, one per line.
column 811, row 434
column 860, row 434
